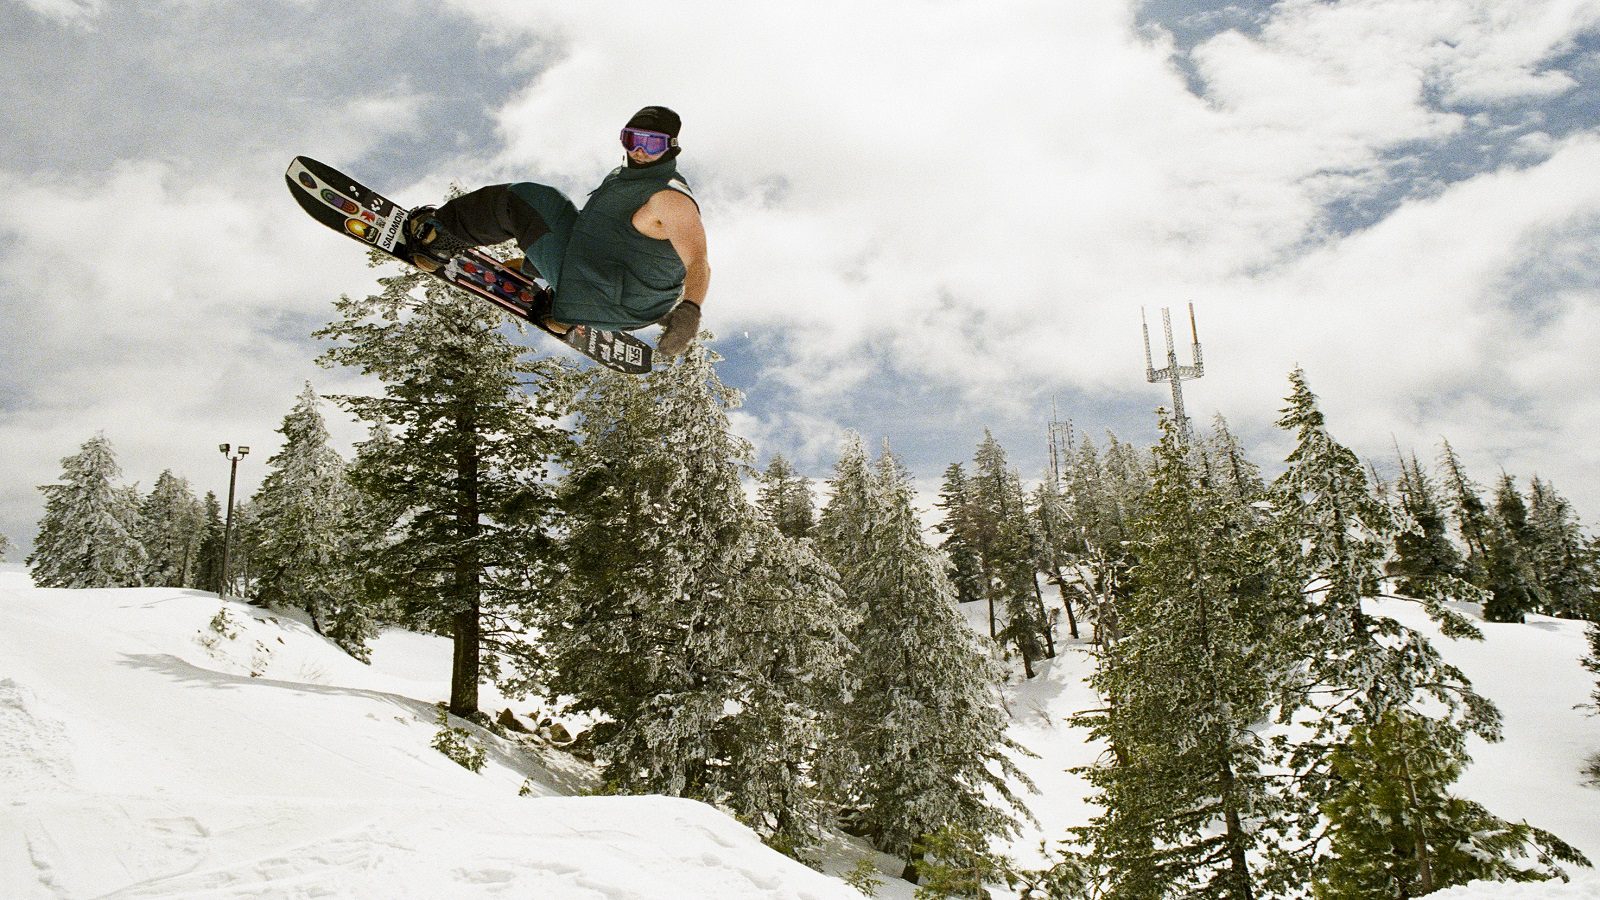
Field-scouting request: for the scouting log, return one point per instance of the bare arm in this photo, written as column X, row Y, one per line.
column 678, row 220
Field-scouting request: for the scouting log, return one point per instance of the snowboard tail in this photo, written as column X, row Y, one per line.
column 362, row 214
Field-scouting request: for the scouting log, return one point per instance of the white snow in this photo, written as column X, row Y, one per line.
column 144, row 755
column 137, row 761
column 1531, row 671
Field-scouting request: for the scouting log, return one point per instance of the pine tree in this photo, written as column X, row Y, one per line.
column 1472, row 516
column 1563, row 565
column 172, row 526
column 1225, row 466
column 470, row 452
column 242, row 550
column 89, row 535
column 710, row 644
column 1399, row 832
column 1105, row 495
column 1512, row 583
column 1006, row 550
column 373, row 525
column 303, row 508
column 843, row 527
column 959, row 544
column 1186, row 796
column 5, row 547
column 1592, row 663
column 1425, row 557
column 208, row 570
column 925, row 724
column 1057, row 542
column 785, row 497
column 1362, row 669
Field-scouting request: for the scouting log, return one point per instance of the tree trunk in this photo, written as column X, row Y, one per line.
column 1066, row 603
column 909, row 873
column 465, row 622
column 1240, row 866
column 1044, row 621
column 988, row 593
column 1419, row 831
column 465, row 669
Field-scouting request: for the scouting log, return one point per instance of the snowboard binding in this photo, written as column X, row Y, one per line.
column 429, row 244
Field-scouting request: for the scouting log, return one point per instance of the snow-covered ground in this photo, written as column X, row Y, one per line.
column 144, row 755
column 1531, row 671
column 135, row 761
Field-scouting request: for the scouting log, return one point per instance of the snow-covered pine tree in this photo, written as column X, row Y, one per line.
column 1397, row 831
column 1057, row 542
column 172, row 524
column 208, row 570
column 1472, row 517
column 1187, row 796
column 959, row 544
column 710, row 645
column 1105, row 494
column 1426, row 561
column 475, row 428
column 1098, row 551
column 1347, row 532
column 1566, row 569
column 1592, row 663
column 89, row 535
column 5, row 547
column 373, row 524
column 1128, row 477
column 303, row 510
column 926, row 725
column 1006, row 546
column 842, row 532
column 785, row 497
column 790, row 633
column 242, row 549
column 1359, row 669
column 1513, row 583
column 1226, row 467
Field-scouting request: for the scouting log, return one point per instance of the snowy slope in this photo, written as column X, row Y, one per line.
column 1531, row 671
column 143, row 756
column 136, row 761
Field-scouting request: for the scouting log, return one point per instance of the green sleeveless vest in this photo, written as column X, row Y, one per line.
column 612, row 276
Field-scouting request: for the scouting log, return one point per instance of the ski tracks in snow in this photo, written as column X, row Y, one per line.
column 34, row 749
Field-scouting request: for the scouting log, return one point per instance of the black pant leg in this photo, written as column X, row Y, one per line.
column 490, row 215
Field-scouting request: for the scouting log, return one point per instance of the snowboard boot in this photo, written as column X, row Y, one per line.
column 429, row 245
column 544, row 302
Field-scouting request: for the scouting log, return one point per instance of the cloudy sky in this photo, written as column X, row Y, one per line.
column 925, row 218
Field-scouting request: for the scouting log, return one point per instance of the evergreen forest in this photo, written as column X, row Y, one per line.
column 808, row 653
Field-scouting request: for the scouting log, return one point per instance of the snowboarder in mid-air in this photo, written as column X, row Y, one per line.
column 634, row 256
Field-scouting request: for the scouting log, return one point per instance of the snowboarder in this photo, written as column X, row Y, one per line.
column 634, row 256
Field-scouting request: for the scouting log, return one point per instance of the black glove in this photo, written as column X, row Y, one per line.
column 682, row 324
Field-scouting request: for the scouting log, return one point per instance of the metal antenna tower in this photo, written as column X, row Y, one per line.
column 1173, row 373
column 1061, row 443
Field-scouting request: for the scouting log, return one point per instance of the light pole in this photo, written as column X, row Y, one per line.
column 227, row 529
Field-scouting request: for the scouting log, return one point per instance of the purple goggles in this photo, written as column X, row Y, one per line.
column 652, row 142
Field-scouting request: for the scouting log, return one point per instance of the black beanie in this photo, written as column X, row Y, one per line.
column 657, row 118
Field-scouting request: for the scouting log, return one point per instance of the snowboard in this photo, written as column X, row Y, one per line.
column 362, row 214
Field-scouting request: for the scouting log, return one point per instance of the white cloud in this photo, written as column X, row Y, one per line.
column 972, row 199
column 984, row 198
column 1361, row 61
column 172, row 315
column 65, row 12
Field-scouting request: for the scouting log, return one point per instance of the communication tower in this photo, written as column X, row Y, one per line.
column 1174, row 374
